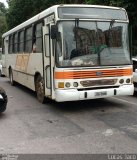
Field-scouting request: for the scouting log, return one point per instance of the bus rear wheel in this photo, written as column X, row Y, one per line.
column 12, row 82
column 39, row 84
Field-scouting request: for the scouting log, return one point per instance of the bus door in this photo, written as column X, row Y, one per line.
column 48, row 61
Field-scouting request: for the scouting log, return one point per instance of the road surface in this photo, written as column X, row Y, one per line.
column 95, row 126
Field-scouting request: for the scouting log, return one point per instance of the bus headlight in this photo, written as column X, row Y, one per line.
column 121, row 81
column 75, row 84
column 128, row 80
column 67, row 84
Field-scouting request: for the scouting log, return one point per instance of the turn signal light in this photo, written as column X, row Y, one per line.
column 61, row 85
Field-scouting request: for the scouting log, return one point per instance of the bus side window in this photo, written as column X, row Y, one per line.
column 15, row 43
column 13, row 38
column 28, row 40
column 10, row 44
column 34, row 39
column 21, row 41
column 37, row 38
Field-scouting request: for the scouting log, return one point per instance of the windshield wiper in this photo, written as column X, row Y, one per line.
column 111, row 23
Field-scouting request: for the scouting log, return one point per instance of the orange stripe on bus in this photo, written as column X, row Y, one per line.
column 93, row 74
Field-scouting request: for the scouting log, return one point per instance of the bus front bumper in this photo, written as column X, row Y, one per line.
column 75, row 95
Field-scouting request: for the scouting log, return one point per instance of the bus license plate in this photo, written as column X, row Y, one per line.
column 99, row 94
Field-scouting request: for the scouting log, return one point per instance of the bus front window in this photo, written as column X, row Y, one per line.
column 85, row 43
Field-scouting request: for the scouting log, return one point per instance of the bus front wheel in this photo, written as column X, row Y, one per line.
column 39, row 84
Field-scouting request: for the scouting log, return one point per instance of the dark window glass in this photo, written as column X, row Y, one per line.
column 21, row 41
column 13, row 39
column 10, row 44
column 15, row 49
column 28, row 40
column 37, row 38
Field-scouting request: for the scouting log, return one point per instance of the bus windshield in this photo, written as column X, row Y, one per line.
column 92, row 43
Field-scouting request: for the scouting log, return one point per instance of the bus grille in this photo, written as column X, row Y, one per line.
column 93, row 74
column 98, row 82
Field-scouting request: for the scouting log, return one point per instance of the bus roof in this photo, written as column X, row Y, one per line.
column 51, row 10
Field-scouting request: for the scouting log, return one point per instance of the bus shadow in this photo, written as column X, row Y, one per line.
column 92, row 105
column 3, row 116
column 24, row 89
column 102, row 104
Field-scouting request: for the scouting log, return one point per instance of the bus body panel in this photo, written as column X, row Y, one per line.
column 27, row 65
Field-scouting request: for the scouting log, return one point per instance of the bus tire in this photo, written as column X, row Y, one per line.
column 39, row 85
column 12, row 82
column 3, row 103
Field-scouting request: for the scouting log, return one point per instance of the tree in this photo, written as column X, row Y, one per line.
column 19, row 11
column 2, row 9
column 3, row 25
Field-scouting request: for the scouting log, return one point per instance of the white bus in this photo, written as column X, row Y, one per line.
column 71, row 52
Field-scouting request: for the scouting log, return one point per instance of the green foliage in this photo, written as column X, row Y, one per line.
column 19, row 11
column 2, row 9
column 2, row 28
column 2, row 21
column 99, row 2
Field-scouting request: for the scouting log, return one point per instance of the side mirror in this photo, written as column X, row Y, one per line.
column 54, row 31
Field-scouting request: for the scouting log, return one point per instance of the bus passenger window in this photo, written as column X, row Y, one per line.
column 37, row 38
column 21, row 41
column 10, row 44
column 28, row 40
column 15, row 43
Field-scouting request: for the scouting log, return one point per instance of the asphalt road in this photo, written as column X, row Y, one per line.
column 95, row 126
